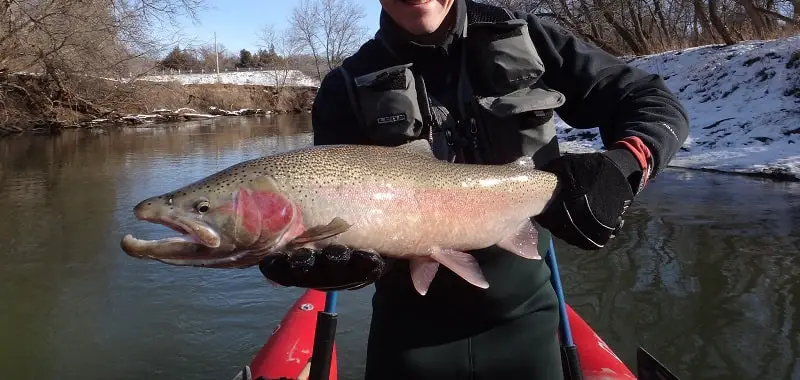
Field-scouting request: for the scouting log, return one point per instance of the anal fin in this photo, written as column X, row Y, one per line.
column 524, row 242
column 422, row 273
column 463, row 264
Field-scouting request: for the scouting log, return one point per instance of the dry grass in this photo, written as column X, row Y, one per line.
column 27, row 101
column 143, row 96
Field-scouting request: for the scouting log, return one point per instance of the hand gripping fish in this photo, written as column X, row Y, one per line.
column 401, row 202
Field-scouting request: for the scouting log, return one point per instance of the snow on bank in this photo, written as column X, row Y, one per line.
column 291, row 78
column 743, row 103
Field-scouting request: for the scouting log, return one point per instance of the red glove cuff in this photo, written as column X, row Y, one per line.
column 642, row 154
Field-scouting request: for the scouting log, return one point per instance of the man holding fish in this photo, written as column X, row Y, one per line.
column 436, row 174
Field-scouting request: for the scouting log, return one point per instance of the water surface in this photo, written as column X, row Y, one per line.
column 704, row 275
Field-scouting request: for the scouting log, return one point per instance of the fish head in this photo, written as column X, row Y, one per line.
column 231, row 219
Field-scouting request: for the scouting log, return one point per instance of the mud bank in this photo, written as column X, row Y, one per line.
column 39, row 105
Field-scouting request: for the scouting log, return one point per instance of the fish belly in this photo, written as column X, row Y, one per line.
column 412, row 222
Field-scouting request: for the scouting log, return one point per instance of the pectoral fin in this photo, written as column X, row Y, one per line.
column 422, row 273
column 317, row 233
column 463, row 264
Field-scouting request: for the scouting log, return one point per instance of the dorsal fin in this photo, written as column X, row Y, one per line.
column 418, row 146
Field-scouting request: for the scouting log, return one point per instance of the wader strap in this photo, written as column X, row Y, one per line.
column 424, row 104
column 351, row 93
column 468, row 123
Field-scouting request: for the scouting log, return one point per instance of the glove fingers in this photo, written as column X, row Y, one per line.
column 330, row 268
column 277, row 269
column 336, row 254
column 302, row 259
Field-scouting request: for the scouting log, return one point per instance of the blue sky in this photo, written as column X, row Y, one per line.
column 237, row 22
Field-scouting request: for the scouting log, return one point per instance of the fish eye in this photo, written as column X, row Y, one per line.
column 202, row 206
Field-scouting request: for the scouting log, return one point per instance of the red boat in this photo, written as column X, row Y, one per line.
column 287, row 352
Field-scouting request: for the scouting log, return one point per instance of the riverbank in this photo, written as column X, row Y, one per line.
column 35, row 104
column 743, row 103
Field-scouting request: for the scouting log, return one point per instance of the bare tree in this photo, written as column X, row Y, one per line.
column 286, row 50
column 69, row 42
column 648, row 26
column 305, row 29
column 329, row 30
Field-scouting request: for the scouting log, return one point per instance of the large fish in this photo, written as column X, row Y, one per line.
column 401, row 202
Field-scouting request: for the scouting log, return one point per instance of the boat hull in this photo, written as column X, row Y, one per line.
column 598, row 361
column 289, row 347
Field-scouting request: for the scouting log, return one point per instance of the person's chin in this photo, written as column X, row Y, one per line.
column 418, row 8
column 419, row 29
column 418, row 17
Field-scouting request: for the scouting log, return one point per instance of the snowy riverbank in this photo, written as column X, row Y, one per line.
column 743, row 102
column 291, row 78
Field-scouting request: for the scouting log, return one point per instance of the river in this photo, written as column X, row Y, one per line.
column 705, row 274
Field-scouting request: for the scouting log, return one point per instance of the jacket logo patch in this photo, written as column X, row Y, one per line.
column 392, row 118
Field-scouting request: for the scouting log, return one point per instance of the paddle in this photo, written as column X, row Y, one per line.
column 569, row 352
column 323, row 339
column 648, row 368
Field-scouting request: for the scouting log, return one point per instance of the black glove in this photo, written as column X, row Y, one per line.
column 596, row 189
column 333, row 268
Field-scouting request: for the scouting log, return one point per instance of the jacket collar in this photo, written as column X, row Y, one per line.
column 402, row 42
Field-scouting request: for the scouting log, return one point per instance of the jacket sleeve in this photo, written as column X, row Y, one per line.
column 632, row 108
column 332, row 117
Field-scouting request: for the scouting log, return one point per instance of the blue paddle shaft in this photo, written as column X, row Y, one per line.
column 330, row 302
column 324, row 336
column 555, row 279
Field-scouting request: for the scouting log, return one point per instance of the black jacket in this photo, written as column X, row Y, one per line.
column 601, row 92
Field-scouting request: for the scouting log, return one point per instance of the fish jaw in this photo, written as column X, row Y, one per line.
column 194, row 231
column 236, row 232
column 196, row 238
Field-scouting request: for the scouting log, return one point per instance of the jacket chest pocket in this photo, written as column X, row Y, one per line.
column 502, row 57
column 519, row 123
column 389, row 105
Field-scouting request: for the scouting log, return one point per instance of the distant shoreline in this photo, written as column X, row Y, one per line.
column 109, row 102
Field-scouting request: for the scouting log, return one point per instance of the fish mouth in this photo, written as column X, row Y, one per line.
column 196, row 241
column 199, row 245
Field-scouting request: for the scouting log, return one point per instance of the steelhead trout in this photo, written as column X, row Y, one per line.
column 400, row 202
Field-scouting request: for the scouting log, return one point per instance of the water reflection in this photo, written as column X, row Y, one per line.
column 76, row 306
column 705, row 274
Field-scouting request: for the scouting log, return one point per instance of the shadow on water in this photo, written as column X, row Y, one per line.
column 705, row 274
